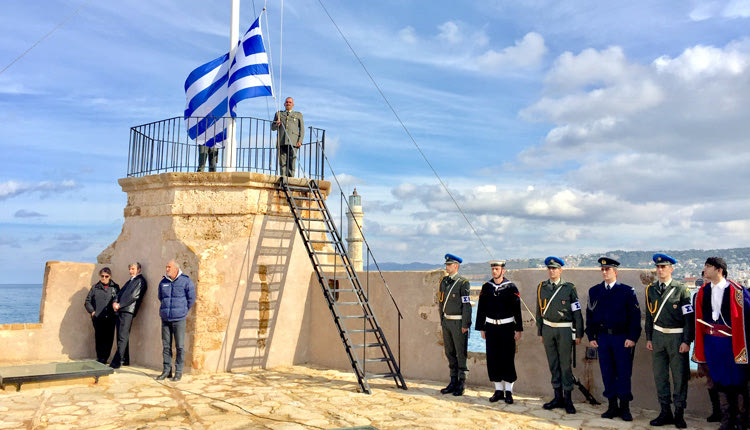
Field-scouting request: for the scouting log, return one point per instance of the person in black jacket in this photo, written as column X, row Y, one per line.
column 613, row 325
column 499, row 321
column 128, row 301
column 99, row 304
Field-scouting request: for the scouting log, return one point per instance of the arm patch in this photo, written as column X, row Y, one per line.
column 575, row 306
column 687, row 309
column 465, row 299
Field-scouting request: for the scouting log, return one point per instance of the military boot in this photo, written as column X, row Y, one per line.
column 612, row 411
column 557, row 402
column 451, row 386
column 664, row 418
column 569, row 408
column 679, row 419
column 715, row 416
column 509, row 397
column 499, row 395
column 459, row 390
column 625, row 410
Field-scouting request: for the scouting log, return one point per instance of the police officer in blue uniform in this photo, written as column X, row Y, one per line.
column 613, row 325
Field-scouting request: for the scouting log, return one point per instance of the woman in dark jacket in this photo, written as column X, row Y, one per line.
column 99, row 304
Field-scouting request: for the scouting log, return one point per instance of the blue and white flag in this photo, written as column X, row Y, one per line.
column 214, row 89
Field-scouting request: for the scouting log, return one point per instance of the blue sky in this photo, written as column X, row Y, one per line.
column 561, row 127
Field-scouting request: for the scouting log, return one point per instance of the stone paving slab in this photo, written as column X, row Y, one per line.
column 287, row 398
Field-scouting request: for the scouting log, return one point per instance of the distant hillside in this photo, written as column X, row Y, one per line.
column 689, row 263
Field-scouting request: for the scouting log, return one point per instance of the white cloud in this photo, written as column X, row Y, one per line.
column 731, row 9
column 10, row 189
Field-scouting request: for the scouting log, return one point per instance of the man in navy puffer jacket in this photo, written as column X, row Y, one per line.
column 177, row 296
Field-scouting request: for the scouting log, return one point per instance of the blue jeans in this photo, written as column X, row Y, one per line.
column 173, row 330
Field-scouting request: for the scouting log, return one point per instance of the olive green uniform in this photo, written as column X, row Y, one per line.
column 291, row 131
column 455, row 314
column 673, row 326
column 557, row 315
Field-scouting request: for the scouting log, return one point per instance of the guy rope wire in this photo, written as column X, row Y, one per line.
column 416, row 145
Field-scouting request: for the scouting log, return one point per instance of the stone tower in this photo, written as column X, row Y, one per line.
column 354, row 236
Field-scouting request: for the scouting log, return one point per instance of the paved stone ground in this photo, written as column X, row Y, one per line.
column 283, row 399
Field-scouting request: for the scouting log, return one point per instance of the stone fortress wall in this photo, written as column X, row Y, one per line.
column 259, row 304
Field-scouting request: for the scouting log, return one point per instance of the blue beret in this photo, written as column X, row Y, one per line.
column 663, row 259
column 554, row 262
column 450, row 258
column 608, row 262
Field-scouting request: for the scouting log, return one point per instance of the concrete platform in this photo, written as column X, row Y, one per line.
column 285, row 398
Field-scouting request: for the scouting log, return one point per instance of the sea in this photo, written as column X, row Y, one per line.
column 19, row 303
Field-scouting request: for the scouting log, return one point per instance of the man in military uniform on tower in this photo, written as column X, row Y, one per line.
column 559, row 322
column 499, row 321
column 291, row 129
column 613, row 325
column 455, row 319
column 669, row 332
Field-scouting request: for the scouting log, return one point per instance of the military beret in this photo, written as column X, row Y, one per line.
column 494, row 263
column 450, row 258
column 663, row 260
column 554, row 262
column 608, row 262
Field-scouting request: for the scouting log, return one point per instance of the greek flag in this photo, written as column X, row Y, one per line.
column 214, row 89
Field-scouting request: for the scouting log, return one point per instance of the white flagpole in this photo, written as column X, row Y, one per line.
column 230, row 150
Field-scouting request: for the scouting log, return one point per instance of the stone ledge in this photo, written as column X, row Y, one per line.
column 21, row 326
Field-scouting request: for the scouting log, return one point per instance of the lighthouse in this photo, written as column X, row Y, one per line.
column 354, row 236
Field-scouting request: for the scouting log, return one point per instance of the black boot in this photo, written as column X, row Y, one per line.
column 612, row 411
column 166, row 373
column 715, row 416
column 625, row 410
column 569, row 408
column 177, row 377
column 557, row 402
column 664, row 418
column 509, row 397
column 459, row 390
column 679, row 419
column 499, row 395
column 451, row 386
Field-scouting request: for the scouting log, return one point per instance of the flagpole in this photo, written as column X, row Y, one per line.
column 230, row 151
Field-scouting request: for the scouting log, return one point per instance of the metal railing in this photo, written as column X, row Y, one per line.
column 164, row 146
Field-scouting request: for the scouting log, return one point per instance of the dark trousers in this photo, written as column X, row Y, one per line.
column 104, row 335
column 212, row 153
column 501, row 352
column 558, row 344
column 667, row 358
column 456, row 346
column 122, row 355
column 287, row 160
column 616, row 363
column 173, row 330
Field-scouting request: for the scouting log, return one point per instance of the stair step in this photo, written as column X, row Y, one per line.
column 362, row 330
column 342, row 290
column 317, row 230
column 377, row 360
column 367, row 345
column 347, row 303
column 349, row 317
column 307, row 199
column 380, row 375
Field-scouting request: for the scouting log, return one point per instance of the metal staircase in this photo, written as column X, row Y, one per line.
column 342, row 289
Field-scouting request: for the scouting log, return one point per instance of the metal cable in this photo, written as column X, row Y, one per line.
column 45, row 36
column 385, row 99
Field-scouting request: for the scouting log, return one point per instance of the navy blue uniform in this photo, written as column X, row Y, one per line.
column 613, row 316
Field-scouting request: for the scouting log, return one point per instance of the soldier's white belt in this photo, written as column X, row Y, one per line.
column 668, row 330
column 500, row 322
column 558, row 324
column 452, row 317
